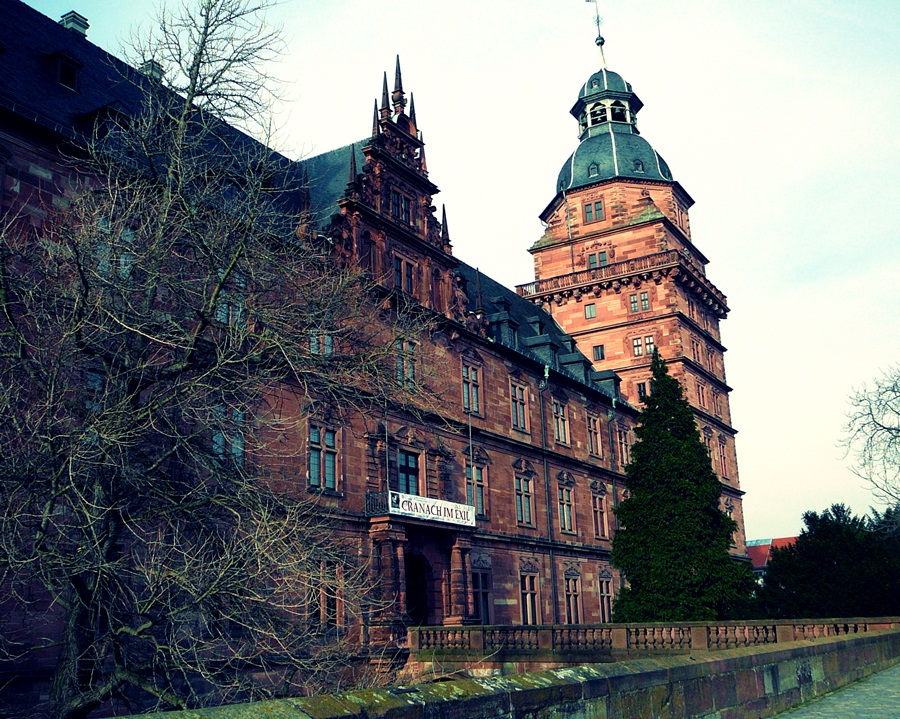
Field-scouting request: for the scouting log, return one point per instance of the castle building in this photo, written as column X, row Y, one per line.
column 500, row 508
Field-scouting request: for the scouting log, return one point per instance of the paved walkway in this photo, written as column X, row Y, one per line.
column 876, row 697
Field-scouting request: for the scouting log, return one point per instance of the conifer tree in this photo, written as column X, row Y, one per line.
column 673, row 544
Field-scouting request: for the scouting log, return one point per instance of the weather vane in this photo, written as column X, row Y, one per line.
column 598, row 21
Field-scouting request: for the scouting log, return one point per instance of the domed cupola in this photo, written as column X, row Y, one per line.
column 610, row 144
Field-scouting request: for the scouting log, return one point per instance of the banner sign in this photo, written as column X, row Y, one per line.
column 410, row 505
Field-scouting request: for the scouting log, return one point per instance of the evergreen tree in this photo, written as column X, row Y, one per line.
column 841, row 566
column 674, row 540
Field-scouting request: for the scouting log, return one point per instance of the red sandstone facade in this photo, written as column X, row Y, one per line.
column 531, row 434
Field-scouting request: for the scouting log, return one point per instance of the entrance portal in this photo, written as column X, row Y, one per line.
column 418, row 584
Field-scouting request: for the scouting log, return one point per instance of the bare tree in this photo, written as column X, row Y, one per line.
column 163, row 335
column 873, row 434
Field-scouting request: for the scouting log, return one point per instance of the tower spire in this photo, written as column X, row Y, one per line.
column 398, row 96
column 599, row 41
column 352, row 178
column 385, row 101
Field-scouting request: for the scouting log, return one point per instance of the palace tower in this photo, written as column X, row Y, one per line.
column 618, row 270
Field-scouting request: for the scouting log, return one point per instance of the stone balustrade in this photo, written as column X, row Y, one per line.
column 561, row 645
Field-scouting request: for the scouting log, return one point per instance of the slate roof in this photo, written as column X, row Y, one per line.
column 29, row 87
column 531, row 331
column 329, row 173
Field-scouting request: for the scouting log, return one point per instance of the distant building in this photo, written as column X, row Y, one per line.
column 760, row 552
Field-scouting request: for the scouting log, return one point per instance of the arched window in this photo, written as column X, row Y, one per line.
column 598, row 114
column 618, row 112
column 638, row 166
column 593, row 170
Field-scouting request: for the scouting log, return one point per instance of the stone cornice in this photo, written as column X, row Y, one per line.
column 618, row 275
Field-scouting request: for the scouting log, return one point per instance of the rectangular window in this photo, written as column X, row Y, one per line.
column 649, row 344
column 593, row 211
column 475, row 488
column 573, row 600
column 408, row 472
column 701, row 395
column 471, row 389
column 523, row 500
column 519, row 406
column 601, row 525
column 592, row 261
column 560, row 422
column 622, row 437
column 601, row 258
column 406, row 210
column 599, row 353
column 717, row 406
column 710, row 360
column 590, row 311
column 633, row 303
column 228, row 438
column 406, row 363
column 566, row 509
column 481, row 596
column 320, row 343
column 595, row 444
column 404, row 275
column 637, row 345
column 606, row 597
column 396, row 201
column 641, row 390
column 723, row 460
column 322, row 457
column 645, row 301
column 528, row 595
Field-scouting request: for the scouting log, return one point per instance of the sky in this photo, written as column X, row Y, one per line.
column 779, row 118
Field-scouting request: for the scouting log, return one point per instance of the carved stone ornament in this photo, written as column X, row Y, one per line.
column 523, row 466
column 479, row 455
column 527, row 564
column 598, row 488
column 573, row 571
column 409, row 437
column 566, row 479
column 604, row 574
column 481, row 561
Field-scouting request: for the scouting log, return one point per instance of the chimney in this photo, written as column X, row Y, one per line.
column 152, row 69
column 73, row 21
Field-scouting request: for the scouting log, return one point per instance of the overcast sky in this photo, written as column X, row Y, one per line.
column 779, row 118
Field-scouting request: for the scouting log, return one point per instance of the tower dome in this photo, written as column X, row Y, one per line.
column 610, row 145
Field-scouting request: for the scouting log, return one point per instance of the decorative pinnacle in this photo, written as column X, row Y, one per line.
column 376, row 128
column 398, row 97
column 352, row 178
column 445, row 233
column 385, row 102
column 412, row 108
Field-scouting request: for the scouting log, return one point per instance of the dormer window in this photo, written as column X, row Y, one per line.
column 595, row 83
column 638, row 166
column 67, row 71
column 593, row 170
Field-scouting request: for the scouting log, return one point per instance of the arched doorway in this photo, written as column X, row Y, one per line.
column 418, row 585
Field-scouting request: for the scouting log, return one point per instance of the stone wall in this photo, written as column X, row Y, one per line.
column 741, row 683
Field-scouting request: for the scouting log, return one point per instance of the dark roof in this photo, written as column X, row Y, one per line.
column 32, row 47
column 522, row 326
column 29, row 64
column 328, row 175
